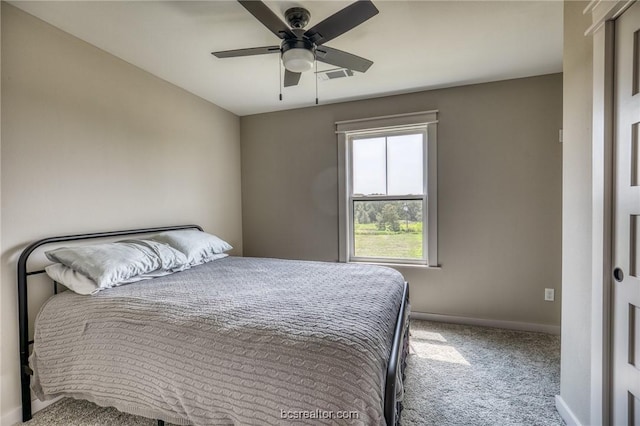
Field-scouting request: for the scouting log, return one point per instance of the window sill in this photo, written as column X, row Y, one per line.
column 398, row 265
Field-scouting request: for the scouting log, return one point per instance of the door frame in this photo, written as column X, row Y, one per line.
column 603, row 15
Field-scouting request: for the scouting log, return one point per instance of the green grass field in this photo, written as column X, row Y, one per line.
column 370, row 242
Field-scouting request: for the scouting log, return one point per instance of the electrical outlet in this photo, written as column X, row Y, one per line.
column 549, row 294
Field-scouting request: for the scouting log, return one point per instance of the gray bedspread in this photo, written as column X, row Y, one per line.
column 243, row 341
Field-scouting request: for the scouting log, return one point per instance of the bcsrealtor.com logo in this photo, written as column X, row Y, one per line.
column 318, row 415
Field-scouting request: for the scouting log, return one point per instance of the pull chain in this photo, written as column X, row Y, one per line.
column 280, row 79
column 316, row 76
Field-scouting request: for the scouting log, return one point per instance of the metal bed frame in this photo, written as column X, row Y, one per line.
column 395, row 367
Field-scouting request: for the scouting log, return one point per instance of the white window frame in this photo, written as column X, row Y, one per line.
column 389, row 126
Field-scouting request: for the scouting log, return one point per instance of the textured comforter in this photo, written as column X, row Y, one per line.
column 242, row 341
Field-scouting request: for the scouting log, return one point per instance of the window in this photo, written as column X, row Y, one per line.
column 388, row 209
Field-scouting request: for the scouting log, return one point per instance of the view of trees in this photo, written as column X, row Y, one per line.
column 388, row 215
column 388, row 229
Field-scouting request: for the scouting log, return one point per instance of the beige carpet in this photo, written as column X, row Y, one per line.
column 456, row 375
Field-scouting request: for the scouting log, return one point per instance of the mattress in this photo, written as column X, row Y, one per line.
column 245, row 341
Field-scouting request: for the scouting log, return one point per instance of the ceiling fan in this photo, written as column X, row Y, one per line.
column 300, row 48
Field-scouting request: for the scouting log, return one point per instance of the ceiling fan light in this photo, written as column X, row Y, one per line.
column 298, row 59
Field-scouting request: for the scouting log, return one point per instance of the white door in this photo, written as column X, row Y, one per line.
column 626, row 249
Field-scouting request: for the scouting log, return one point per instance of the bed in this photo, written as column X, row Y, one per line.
column 233, row 341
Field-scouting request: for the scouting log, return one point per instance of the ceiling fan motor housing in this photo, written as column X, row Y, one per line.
column 297, row 17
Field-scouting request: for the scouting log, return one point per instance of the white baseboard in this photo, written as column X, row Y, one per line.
column 15, row 416
column 565, row 412
column 510, row 325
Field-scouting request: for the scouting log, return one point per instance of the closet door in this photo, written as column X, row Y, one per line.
column 626, row 244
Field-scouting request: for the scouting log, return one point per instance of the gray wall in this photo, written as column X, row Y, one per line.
column 499, row 166
column 90, row 143
column 576, row 212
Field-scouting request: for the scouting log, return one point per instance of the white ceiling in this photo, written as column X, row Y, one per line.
column 415, row 45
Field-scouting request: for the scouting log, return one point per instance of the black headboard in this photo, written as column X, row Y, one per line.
column 23, row 319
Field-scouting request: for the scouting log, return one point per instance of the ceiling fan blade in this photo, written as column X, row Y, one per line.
column 291, row 78
column 342, row 59
column 342, row 21
column 269, row 19
column 247, row 52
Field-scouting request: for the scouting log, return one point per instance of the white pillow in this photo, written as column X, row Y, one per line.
column 73, row 280
column 112, row 264
column 199, row 247
column 217, row 256
column 81, row 284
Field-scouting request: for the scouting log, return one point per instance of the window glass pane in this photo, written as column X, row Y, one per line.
column 369, row 166
column 405, row 164
column 388, row 229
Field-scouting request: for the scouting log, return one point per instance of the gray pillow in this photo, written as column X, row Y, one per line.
column 198, row 246
column 111, row 264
